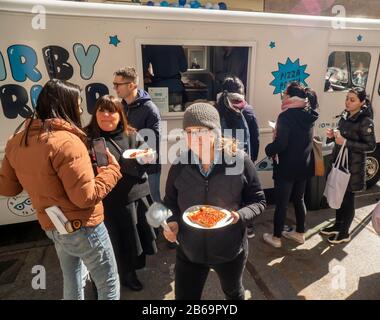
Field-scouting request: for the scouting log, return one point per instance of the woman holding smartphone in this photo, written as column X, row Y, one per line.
column 50, row 161
column 132, row 238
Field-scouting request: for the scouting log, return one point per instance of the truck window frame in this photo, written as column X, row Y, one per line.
column 251, row 69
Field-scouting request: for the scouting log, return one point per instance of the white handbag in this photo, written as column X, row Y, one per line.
column 337, row 180
column 376, row 218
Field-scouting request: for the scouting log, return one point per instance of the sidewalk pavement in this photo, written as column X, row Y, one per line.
column 314, row 270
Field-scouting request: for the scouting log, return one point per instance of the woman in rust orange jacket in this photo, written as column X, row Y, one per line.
column 50, row 161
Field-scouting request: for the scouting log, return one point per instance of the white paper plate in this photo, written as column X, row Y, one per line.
column 127, row 153
column 222, row 223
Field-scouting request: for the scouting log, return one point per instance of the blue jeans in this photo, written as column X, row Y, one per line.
column 92, row 247
column 154, row 185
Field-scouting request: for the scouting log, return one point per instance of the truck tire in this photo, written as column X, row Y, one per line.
column 372, row 170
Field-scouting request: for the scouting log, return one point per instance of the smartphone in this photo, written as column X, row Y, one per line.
column 99, row 145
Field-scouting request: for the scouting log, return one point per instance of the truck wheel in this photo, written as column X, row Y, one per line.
column 372, row 172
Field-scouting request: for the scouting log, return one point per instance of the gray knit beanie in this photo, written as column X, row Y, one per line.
column 201, row 114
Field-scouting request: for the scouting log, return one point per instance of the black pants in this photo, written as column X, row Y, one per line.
column 190, row 277
column 131, row 236
column 345, row 214
column 284, row 190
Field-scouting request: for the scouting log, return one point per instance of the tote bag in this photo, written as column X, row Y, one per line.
column 376, row 218
column 337, row 180
column 319, row 166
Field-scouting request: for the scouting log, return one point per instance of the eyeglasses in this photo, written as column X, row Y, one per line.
column 22, row 205
column 116, row 84
column 198, row 132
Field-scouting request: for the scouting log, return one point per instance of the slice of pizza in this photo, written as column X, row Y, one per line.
column 140, row 153
column 206, row 216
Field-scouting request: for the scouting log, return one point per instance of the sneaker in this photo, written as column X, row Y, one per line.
column 250, row 232
column 272, row 240
column 339, row 238
column 333, row 230
column 293, row 235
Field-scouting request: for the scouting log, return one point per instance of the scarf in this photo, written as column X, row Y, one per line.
column 234, row 101
column 232, row 105
column 293, row 103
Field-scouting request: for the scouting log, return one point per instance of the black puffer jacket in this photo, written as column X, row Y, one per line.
column 360, row 135
column 293, row 144
column 242, row 192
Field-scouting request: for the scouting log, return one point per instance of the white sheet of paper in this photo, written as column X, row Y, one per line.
column 58, row 218
column 272, row 124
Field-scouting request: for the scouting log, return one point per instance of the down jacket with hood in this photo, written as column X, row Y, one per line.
column 293, row 144
column 359, row 132
column 55, row 169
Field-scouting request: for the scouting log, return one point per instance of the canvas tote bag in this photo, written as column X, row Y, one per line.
column 337, row 180
column 376, row 218
column 319, row 166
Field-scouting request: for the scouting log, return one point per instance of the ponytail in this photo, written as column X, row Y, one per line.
column 368, row 105
column 312, row 97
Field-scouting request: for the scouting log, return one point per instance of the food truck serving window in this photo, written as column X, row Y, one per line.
column 176, row 76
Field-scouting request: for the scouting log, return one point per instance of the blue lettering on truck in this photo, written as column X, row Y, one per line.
column 23, row 61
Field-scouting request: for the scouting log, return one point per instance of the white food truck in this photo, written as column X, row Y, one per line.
column 86, row 42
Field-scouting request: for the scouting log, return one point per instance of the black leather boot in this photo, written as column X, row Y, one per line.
column 131, row 281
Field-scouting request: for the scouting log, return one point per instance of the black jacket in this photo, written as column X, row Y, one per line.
column 233, row 120
column 186, row 187
column 144, row 114
column 133, row 185
column 293, row 144
column 124, row 207
column 360, row 135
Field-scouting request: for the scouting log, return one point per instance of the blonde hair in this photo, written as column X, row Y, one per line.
column 229, row 146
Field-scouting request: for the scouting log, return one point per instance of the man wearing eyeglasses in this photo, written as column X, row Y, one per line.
column 141, row 113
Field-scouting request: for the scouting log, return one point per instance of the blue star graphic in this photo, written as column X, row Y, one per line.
column 359, row 37
column 290, row 71
column 272, row 44
column 114, row 40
